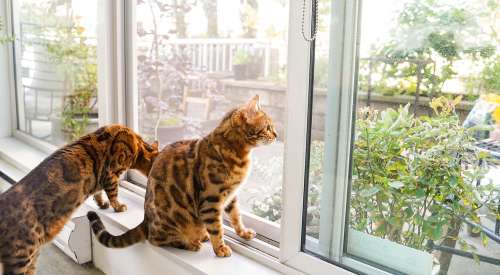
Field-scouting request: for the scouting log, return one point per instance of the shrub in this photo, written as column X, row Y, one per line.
column 411, row 177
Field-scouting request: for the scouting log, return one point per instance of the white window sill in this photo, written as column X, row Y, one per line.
column 18, row 158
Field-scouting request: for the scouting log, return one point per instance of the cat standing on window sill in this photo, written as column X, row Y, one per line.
column 192, row 182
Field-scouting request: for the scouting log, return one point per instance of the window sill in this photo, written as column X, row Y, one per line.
column 18, row 158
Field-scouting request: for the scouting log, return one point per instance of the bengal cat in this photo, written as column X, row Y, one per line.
column 34, row 210
column 193, row 181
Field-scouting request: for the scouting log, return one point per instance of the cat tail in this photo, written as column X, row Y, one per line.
column 128, row 238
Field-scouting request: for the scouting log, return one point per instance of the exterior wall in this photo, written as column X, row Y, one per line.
column 273, row 99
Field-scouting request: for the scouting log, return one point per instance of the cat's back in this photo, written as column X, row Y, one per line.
column 180, row 154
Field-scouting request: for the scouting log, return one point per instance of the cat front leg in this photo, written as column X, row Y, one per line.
column 111, row 188
column 233, row 210
column 211, row 215
column 99, row 200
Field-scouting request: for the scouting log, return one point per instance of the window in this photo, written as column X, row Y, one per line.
column 392, row 174
column 376, row 169
column 56, row 63
column 196, row 60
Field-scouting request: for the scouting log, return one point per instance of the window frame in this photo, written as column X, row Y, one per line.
column 118, row 97
column 344, row 31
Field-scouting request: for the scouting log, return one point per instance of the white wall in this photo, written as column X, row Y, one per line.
column 5, row 74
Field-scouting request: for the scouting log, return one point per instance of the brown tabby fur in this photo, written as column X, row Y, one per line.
column 193, row 181
column 34, row 210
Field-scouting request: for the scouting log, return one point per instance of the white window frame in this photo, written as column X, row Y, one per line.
column 341, row 84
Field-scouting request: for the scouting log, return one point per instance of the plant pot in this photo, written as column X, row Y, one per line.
column 170, row 133
column 240, row 71
column 253, row 70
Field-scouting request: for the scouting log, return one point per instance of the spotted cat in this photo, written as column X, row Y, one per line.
column 193, row 181
column 34, row 210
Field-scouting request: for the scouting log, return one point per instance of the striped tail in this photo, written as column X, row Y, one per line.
column 128, row 238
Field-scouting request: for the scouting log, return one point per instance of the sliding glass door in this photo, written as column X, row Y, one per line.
column 391, row 173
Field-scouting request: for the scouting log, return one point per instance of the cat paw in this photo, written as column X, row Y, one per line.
column 223, row 251
column 120, row 207
column 194, row 246
column 247, row 233
column 206, row 238
column 104, row 205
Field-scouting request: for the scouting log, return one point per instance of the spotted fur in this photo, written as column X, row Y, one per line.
column 34, row 210
column 192, row 182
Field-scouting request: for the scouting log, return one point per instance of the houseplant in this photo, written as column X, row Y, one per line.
column 240, row 65
column 76, row 59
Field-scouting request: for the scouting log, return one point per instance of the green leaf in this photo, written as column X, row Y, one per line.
column 408, row 213
column 484, row 239
column 369, row 192
column 396, row 184
column 437, row 232
column 420, row 193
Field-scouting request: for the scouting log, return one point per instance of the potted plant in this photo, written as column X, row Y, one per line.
column 75, row 59
column 240, row 65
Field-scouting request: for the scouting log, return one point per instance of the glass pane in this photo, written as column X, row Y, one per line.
column 419, row 199
column 199, row 59
column 56, row 57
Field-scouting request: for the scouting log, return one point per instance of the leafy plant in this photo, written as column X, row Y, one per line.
column 429, row 37
column 491, row 75
column 270, row 206
column 4, row 38
column 242, row 57
column 413, row 178
column 75, row 57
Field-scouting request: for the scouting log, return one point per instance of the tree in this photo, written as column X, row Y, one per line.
column 248, row 15
column 180, row 21
column 430, row 29
column 210, row 8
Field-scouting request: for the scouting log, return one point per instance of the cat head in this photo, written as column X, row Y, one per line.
column 251, row 123
column 146, row 155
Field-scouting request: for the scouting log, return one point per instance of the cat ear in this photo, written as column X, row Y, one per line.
column 150, row 150
column 155, row 145
column 253, row 106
